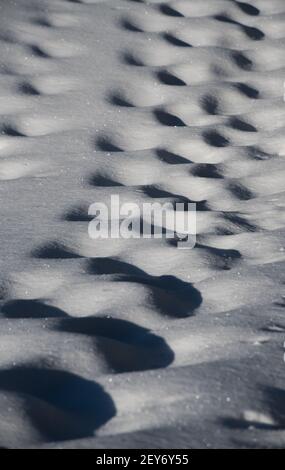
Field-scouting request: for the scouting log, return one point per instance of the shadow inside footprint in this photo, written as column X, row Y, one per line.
column 129, row 26
column 172, row 296
column 116, row 99
column 126, row 346
column 171, row 158
column 242, row 61
column 106, row 145
column 169, row 79
column 10, row 131
column 247, row 90
column 248, row 9
column 241, row 222
column 240, row 191
column 210, row 104
column 157, row 193
column 77, row 214
column 206, row 170
column 240, row 125
column 167, row 119
column 39, row 52
column 174, row 41
column 31, row 309
column 62, row 406
column 169, row 11
column 28, row 89
column 253, row 33
column 130, row 59
column 53, row 250
column 215, row 139
column 102, row 181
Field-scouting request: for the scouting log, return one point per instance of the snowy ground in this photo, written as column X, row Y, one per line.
column 134, row 343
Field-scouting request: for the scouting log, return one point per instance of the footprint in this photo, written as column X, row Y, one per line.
column 247, row 90
column 53, row 250
column 78, row 213
column 170, row 11
column 106, row 145
column 174, row 41
column 248, row 8
column 61, row 405
column 240, row 191
column 173, row 297
column 167, row 78
column 215, row 139
column 206, row 170
column 210, row 104
column 242, row 61
column 30, row 309
column 167, row 119
column 241, row 125
column 171, row 158
column 127, row 347
column 28, row 89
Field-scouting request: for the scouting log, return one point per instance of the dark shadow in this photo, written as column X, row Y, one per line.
column 117, row 100
column 174, row 41
column 253, row 33
column 247, row 90
column 126, row 347
column 157, row 193
column 206, row 170
column 77, row 214
column 215, row 139
column 105, row 145
column 172, row 296
column 167, row 119
column 130, row 59
column 30, row 309
column 10, row 131
column 38, row 52
column 225, row 19
column 168, row 79
column 128, row 26
column 240, row 222
column 62, row 406
column 248, row 9
column 242, row 61
column 210, row 104
column 169, row 11
column 240, row 125
column 103, row 182
column 53, row 250
column 28, row 89
column 240, row 191
column 171, row 158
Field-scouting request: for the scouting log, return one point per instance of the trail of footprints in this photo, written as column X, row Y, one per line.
column 29, row 81
column 206, row 123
